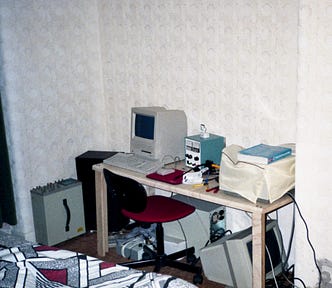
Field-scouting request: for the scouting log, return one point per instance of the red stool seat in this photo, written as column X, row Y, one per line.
column 161, row 209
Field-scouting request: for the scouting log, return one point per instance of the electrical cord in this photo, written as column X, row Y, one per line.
column 282, row 243
column 195, row 259
column 272, row 269
column 224, row 234
column 175, row 160
column 182, row 230
column 299, row 279
column 184, row 234
column 288, row 281
column 291, row 237
column 308, row 239
column 286, row 277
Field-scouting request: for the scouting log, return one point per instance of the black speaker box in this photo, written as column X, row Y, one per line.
column 86, row 175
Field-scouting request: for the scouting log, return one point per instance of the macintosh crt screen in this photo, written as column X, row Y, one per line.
column 144, row 126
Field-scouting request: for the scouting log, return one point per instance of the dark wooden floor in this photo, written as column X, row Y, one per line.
column 87, row 244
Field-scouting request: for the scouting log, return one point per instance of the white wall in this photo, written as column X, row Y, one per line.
column 51, row 85
column 229, row 64
column 314, row 139
column 72, row 70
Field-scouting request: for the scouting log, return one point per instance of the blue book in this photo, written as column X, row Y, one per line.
column 263, row 154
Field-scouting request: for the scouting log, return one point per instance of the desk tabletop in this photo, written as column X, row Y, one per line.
column 258, row 210
column 220, row 197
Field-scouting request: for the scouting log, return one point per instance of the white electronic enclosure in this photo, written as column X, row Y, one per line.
column 229, row 259
column 157, row 132
column 197, row 228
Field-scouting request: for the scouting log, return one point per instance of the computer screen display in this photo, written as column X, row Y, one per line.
column 144, row 126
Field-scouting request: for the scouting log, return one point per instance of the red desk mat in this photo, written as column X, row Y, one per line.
column 174, row 178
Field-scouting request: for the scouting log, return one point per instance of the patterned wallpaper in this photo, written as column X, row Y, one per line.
column 71, row 70
column 228, row 64
column 52, row 91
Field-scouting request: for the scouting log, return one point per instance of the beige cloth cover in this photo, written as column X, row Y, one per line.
column 256, row 181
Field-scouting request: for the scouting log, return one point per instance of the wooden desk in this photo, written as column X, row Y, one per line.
column 259, row 212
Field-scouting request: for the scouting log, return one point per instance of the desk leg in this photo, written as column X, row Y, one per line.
column 258, row 248
column 101, row 210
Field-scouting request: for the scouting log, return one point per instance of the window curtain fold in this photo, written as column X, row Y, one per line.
column 7, row 203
